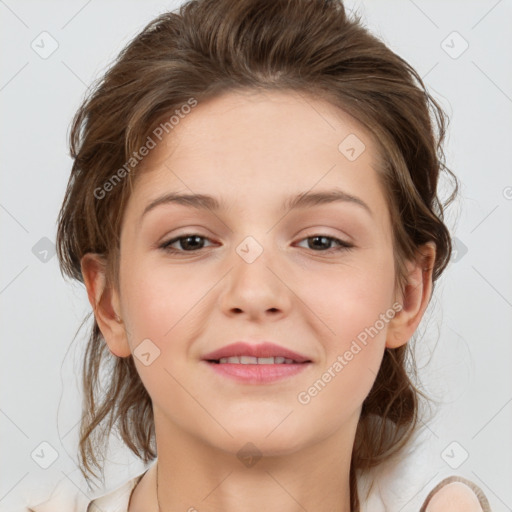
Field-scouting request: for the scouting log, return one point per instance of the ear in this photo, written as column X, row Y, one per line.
column 105, row 304
column 415, row 297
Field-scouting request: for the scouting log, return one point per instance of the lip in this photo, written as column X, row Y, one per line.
column 264, row 349
column 256, row 373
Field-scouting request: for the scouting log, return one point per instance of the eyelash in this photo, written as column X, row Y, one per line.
column 342, row 245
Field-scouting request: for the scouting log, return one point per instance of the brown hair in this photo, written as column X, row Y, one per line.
column 209, row 47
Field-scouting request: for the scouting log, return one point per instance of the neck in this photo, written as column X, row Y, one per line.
column 193, row 476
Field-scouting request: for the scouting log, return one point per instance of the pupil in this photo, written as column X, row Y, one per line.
column 186, row 243
column 326, row 244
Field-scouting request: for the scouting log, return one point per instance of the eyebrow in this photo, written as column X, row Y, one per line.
column 304, row 200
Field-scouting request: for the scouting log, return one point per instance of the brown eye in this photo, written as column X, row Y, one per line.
column 186, row 243
column 322, row 243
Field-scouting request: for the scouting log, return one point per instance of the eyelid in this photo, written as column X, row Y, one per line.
column 342, row 245
column 165, row 245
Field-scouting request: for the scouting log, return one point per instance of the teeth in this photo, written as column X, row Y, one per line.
column 248, row 360
column 255, row 360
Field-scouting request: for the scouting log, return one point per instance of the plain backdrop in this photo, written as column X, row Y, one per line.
column 462, row 50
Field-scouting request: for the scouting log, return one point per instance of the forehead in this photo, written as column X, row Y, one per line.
column 250, row 124
column 252, row 145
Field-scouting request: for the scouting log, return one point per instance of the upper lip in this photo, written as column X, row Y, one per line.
column 265, row 349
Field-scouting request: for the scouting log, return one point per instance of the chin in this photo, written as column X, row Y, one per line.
column 271, row 437
column 243, row 446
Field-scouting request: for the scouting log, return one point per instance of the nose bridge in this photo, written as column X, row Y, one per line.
column 254, row 287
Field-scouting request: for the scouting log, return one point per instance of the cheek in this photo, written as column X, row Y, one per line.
column 354, row 304
column 350, row 296
column 156, row 298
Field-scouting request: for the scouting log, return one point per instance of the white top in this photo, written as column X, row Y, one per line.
column 117, row 500
column 66, row 498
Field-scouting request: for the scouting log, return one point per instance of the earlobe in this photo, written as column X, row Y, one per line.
column 105, row 304
column 415, row 297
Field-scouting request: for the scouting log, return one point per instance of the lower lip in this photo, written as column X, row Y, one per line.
column 258, row 373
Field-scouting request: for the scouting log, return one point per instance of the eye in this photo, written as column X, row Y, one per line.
column 322, row 243
column 189, row 242
column 192, row 242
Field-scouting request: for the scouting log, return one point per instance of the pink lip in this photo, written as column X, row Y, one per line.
column 265, row 349
column 256, row 373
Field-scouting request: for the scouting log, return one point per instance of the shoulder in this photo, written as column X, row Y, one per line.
column 63, row 496
column 408, row 482
column 116, row 500
column 456, row 494
column 66, row 496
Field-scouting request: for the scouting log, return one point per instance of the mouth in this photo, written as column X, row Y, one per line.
column 256, row 364
column 242, row 352
column 255, row 360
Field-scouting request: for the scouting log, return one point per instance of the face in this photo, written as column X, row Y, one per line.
column 309, row 277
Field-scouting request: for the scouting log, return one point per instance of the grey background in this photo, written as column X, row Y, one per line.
column 466, row 345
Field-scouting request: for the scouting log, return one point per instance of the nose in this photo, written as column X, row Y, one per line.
column 256, row 289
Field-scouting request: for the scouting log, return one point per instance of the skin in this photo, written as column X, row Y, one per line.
column 455, row 497
column 254, row 150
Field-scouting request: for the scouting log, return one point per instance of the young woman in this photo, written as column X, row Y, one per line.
column 253, row 210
